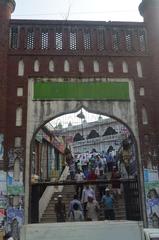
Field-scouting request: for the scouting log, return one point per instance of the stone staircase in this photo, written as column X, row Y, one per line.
column 49, row 215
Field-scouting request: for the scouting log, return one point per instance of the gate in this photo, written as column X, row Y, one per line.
column 132, row 203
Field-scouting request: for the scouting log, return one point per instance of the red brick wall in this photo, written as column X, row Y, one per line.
column 9, row 59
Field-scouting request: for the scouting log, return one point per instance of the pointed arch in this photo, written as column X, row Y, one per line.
column 51, row 66
column 139, row 69
column 78, row 137
column 110, row 67
column 125, row 67
column 93, row 134
column 66, row 66
column 96, row 66
column 110, row 131
column 21, row 68
column 36, row 65
column 81, row 66
column 144, row 116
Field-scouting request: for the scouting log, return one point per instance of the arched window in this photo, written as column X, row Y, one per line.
column 17, row 169
column 139, row 69
column 81, row 66
column 144, row 116
column 19, row 113
column 142, row 91
column 93, row 134
column 66, row 66
column 78, row 137
column 21, row 68
column 125, row 67
column 36, row 66
column 51, row 66
column 110, row 131
column 110, row 67
column 96, row 66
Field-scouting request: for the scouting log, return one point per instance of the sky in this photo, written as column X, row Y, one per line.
column 65, row 119
column 98, row 10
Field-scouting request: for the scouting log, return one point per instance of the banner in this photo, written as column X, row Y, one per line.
column 152, row 204
column 14, row 188
column 1, row 147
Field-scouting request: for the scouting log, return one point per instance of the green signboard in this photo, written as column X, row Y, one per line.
column 113, row 91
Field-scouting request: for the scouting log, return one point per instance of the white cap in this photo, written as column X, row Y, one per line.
column 107, row 189
column 90, row 196
column 59, row 196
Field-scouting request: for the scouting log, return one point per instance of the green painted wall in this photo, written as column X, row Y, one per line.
column 114, row 91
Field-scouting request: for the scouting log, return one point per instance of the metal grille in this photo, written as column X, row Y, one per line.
column 44, row 39
column 142, row 41
column 73, row 41
column 30, row 39
column 87, row 40
column 128, row 39
column 59, row 44
column 115, row 40
column 100, row 40
column 132, row 201
column 14, row 37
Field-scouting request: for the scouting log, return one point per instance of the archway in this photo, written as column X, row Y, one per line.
column 102, row 137
column 41, row 111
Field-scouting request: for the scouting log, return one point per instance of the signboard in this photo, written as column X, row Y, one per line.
column 114, row 91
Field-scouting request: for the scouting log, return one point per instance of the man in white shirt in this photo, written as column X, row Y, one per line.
column 79, row 187
column 87, row 191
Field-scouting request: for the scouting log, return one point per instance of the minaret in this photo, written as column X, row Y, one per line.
column 6, row 9
column 149, row 9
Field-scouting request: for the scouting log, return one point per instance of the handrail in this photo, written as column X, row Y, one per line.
column 49, row 191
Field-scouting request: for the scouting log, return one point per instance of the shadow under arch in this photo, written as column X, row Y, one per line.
column 97, row 112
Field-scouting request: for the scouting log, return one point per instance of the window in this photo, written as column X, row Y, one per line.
column 59, row 44
column 21, row 68
column 73, row 41
column 51, row 66
column 142, row 91
column 125, row 67
column 30, row 39
column 19, row 92
column 81, row 66
column 128, row 39
column 44, row 39
column 66, row 66
column 110, row 67
column 17, row 142
column 36, row 66
column 115, row 40
column 144, row 116
column 87, row 40
column 14, row 37
column 19, row 117
column 100, row 40
column 96, row 66
column 139, row 69
column 142, row 41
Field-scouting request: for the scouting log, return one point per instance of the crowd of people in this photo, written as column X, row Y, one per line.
column 87, row 204
column 86, row 209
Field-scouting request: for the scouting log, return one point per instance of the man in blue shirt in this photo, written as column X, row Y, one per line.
column 108, row 204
